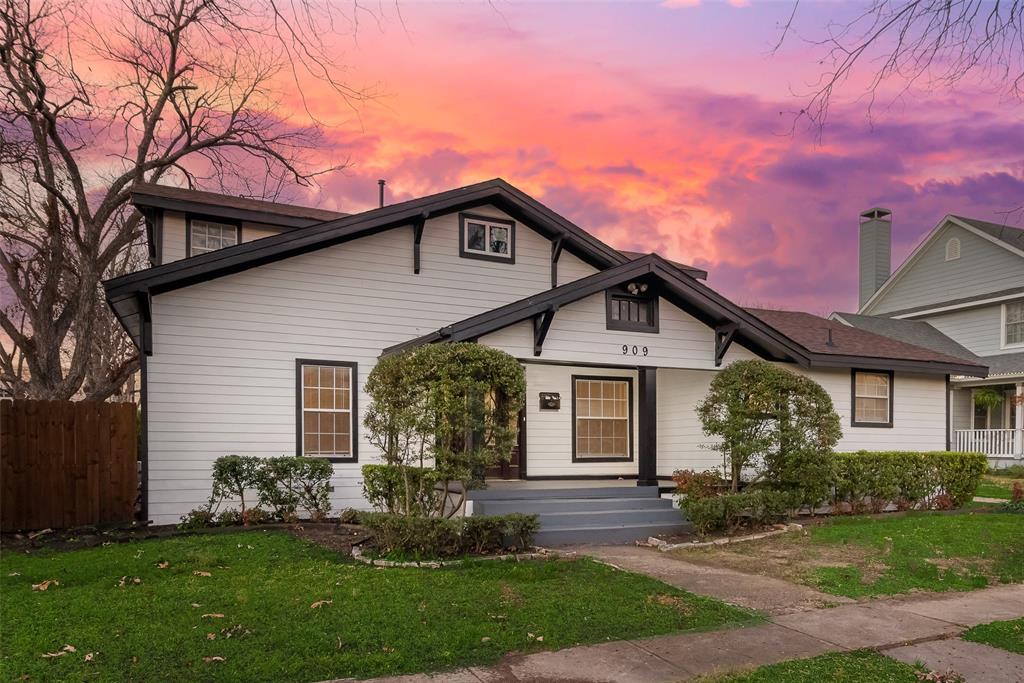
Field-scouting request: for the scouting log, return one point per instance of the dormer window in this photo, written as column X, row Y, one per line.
column 489, row 239
column 206, row 235
column 953, row 249
column 633, row 308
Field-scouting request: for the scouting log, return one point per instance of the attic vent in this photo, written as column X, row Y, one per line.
column 953, row 249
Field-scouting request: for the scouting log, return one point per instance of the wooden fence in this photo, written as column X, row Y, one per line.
column 65, row 464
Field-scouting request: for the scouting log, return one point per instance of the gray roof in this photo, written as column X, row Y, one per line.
column 1005, row 364
column 1004, row 233
column 915, row 332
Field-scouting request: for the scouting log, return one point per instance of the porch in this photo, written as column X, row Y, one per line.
column 989, row 418
column 995, row 443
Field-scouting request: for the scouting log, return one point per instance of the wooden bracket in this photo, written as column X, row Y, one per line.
column 556, row 253
column 723, row 340
column 541, row 325
column 144, row 302
column 417, row 237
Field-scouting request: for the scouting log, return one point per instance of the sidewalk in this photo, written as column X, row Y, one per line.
column 920, row 627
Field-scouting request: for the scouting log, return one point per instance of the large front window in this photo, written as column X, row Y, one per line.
column 326, row 409
column 872, row 399
column 1013, row 324
column 602, row 411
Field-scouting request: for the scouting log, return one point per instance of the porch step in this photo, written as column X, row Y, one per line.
column 616, row 514
column 546, row 506
column 517, row 493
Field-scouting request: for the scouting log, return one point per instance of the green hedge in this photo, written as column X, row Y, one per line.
column 761, row 506
column 413, row 493
column 439, row 537
column 908, row 479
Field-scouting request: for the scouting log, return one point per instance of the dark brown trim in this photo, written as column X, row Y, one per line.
column 853, row 397
column 417, row 237
column 556, row 253
column 189, row 217
column 589, row 477
column 480, row 218
column 210, row 207
column 649, row 298
column 541, row 325
column 299, row 362
column 647, row 464
column 144, row 438
column 521, row 441
column 629, row 419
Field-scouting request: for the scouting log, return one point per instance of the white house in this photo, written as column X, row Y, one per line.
column 959, row 292
column 259, row 323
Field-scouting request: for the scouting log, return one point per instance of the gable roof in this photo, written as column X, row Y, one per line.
column 776, row 335
column 1003, row 236
column 916, row 332
column 186, row 200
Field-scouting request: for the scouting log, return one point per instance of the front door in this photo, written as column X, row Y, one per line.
column 515, row 466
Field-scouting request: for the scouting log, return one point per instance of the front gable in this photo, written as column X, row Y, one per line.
column 954, row 258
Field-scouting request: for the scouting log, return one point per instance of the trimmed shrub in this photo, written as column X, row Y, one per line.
column 761, row 506
column 698, row 484
column 403, row 490
column 908, row 479
column 439, row 537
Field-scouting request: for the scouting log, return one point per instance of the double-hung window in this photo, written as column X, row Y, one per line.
column 872, row 398
column 490, row 239
column 205, row 235
column 602, row 415
column 1013, row 324
column 326, row 409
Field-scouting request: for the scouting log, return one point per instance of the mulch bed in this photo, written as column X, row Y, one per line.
column 330, row 534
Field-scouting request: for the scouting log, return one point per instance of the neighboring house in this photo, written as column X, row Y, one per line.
column 961, row 293
column 263, row 347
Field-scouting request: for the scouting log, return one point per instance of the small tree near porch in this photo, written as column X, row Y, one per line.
column 778, row 424
column 440, row 414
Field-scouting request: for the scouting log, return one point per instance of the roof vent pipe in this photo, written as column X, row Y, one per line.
column 830, row 342
column 381, row 183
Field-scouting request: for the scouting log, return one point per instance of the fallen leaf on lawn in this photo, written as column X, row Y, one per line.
column 163, row 565
column 213, row 616
column 320, row 603
column 90, row 656
column 199, row 573
column 196, row 604
column 215, row 658
column 485, row 639
column 45, row 584
column 341, row 643
column 14, row 574
column 61, row 652
column 126, row 580
column 135, row 660
column 211, row 636
column 388, row 649
column 540, row 638
column 39, row 533
column 530, row 636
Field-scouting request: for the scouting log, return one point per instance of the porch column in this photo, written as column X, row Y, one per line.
column 647, row 460
column 1018, row 435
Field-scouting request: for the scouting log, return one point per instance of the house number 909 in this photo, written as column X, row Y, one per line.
column 634, row 350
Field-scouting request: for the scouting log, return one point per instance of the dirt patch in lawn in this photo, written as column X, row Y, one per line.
column 337, row 537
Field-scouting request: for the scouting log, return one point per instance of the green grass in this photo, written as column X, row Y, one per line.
column 848, row 667
column 869, row 556
column 922, row 551
column 1006, row 635
column 994, row 489
column 381, row 621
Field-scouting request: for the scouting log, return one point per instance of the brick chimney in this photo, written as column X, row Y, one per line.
column 875, row 251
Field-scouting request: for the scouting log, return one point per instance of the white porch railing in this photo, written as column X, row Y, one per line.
column 1004, row 443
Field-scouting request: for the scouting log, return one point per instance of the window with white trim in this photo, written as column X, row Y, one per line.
column 1013, row 324
column 207, row 236
column 602, row 415
column 487, row 238
column 327, row 409
column 953, row 249
column 872, row 399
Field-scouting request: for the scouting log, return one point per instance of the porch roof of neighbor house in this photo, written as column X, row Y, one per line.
column 788, row 336
column 916, row 332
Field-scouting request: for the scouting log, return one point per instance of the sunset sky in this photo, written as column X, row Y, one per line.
column 665, row 127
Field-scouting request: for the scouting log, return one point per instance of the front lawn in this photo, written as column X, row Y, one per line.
column 1006, row 635
column 886, row 554
column 846, row 667
column 264, row 606
column 996, row 487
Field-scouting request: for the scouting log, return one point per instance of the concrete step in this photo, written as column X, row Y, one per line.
column 544, row 505
column 604, row 519
column 624, row 533
column 517, row 493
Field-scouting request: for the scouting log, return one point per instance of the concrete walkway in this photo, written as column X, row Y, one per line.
column 913, row 628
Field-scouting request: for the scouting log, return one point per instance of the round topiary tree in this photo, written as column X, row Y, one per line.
column 440, row 414
column 775, row 423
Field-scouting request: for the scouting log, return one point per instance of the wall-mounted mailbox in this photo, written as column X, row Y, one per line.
column 550, row 400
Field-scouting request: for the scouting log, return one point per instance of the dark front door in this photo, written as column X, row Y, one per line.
column 515, row 466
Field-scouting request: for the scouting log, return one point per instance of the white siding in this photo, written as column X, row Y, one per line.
column 222, row 376
column 549, row 432
column 174, row 235
column 571, row 267
column 983, row 267
column 579, row 334
column 919, row 417
column 978, row 329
